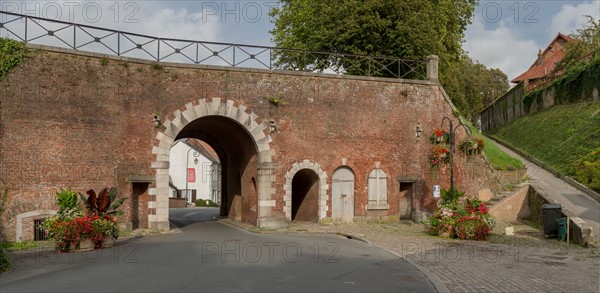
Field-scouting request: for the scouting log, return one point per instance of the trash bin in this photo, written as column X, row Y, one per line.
column 562, row 228
column 550, row 213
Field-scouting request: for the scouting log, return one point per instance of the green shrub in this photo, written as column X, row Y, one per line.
column 5, row 261
column 587, row 170
column 206, row 203
column 12, row 53
column 450, row 196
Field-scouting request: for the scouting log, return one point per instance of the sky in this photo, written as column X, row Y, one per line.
column 503, row 34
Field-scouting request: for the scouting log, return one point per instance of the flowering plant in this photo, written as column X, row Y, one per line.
column 439, row 136
column 439, row 155
column 67, row 231
column 463, row 218
column 71, row 225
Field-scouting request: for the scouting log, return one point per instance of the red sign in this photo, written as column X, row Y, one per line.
column 191, row 175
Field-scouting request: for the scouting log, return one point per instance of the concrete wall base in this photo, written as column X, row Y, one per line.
column 273, row 223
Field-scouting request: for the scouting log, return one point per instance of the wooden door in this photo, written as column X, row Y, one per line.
column 342, row 195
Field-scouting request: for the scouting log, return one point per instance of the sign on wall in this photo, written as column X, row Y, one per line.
column 436, row 191
column 191, row 174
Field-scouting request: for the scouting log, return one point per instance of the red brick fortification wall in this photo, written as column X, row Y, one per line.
column 86, row 122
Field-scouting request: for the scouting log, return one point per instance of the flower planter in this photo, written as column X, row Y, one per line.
column 84, row 245
column 108, row 242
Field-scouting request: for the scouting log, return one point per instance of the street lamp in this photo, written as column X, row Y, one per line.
column 187, row 160
column 451, row 133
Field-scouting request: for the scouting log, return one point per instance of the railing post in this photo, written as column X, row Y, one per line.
column 26, row 20
column 432, row 67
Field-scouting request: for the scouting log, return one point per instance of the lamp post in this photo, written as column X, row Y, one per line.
column 187, row 160
column 451, row 133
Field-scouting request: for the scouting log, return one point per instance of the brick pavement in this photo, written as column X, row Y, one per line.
column 523, row 262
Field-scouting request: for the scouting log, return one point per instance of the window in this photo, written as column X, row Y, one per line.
column 377, row 190
column 39, row 233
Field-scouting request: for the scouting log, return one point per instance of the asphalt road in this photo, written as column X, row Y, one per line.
column 571, row 198
column 211, row 256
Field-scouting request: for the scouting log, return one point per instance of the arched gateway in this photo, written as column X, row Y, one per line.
column 242, row 144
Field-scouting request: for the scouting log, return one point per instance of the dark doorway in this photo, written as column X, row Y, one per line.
column 305, row 196
column 405, row 205
column 139, row 205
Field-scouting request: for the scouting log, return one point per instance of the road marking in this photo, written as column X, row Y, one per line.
column 192, row 213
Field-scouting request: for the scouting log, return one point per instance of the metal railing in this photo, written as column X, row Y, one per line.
column 36, row 30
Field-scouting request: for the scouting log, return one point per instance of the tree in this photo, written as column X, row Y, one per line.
column 401, row 29
column 473, row 86
column 584, row 47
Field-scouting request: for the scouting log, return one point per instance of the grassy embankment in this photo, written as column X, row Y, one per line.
column 499, row 159
column 565, row 137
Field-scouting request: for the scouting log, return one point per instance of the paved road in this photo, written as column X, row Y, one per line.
column 212, row 256
column 561, row 192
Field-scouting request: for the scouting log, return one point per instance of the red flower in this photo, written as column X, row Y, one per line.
column 439, row 132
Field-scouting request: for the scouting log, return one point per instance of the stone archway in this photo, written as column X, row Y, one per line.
column 214, row 110
column 322, row 189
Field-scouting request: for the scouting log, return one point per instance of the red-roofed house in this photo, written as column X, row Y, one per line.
column 542, row 70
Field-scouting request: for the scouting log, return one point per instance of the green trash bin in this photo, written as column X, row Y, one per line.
column 562, row 228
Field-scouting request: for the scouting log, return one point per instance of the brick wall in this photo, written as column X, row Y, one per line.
column 79, row 121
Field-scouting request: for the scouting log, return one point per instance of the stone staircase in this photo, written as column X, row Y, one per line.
column 498, row 196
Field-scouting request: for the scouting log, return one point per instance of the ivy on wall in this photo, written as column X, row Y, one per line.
column 536, row 96
column 12, row 53
column 578, row 84
column 575, row 86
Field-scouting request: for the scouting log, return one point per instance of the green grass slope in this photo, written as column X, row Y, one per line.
column 559, row 136
column 498, row 158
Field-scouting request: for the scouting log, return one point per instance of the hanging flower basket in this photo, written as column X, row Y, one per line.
column 439, row 156
column 471, row 146
column 439, row 136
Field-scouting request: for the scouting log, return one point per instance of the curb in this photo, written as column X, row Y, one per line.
column 565, row 178
column 122, row 240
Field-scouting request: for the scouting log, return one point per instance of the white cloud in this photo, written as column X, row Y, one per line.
column 178, row 24
column 151, row 18
column 571, row 17
column 501, row 47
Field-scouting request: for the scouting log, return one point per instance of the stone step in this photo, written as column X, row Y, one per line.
column 498, row 196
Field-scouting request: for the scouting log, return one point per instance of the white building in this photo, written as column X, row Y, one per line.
column 194, row 171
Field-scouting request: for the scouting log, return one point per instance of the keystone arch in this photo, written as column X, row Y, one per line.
column 214, row 111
